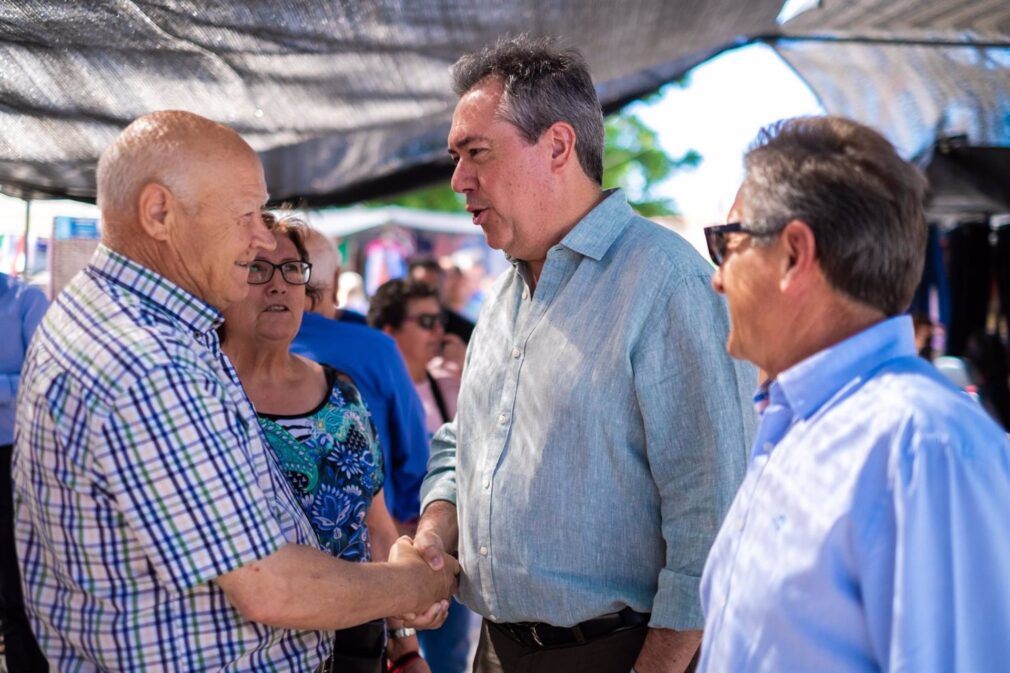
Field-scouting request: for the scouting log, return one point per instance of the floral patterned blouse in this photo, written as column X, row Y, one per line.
column 332, row 461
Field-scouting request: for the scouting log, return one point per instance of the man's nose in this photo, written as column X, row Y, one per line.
column 717, row 281
column 462, row 178
column 263, row 238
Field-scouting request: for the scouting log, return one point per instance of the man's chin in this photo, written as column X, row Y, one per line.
column 734, row 347
column 234, row 296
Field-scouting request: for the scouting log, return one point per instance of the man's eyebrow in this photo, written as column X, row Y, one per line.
column 466, row 140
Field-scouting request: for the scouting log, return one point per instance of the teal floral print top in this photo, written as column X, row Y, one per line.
column 332, row 461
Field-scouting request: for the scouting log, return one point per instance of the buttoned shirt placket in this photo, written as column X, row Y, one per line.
column 530, row 307
column 776, row 419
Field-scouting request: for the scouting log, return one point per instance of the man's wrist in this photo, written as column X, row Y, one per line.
column 403, row 632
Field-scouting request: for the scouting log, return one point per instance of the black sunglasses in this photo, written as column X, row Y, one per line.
column 715, row 238
column 293, row 273
column 426, row 321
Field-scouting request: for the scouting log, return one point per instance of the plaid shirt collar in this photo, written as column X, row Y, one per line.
column 156, row 290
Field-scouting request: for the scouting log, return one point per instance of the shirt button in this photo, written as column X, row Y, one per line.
column 487, row 482
column 483, row 551
column 516, row 352
column 526, row 294
column 492, row 617
column 503, row 419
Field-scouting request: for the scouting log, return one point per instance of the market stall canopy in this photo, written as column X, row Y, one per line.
column 918, row 70
column 352, row 100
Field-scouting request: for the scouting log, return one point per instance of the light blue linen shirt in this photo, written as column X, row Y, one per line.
column 21, row 309
column 871, row 531
column 602, row 431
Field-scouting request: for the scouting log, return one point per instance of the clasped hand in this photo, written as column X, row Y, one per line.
column 437, row 576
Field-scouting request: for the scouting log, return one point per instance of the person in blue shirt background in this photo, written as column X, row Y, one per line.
column 21, row 310
column 870, row 531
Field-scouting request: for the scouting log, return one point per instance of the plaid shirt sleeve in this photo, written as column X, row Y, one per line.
column 173, row 441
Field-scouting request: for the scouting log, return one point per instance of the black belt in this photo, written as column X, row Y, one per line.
column 538, row 634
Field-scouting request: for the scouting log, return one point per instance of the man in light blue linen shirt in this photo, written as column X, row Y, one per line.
column 870, row 531
column 601, row 428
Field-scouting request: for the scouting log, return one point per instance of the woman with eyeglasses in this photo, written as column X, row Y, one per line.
column 320, row 430
column 409, row 311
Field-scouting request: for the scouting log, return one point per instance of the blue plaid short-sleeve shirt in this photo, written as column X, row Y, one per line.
column 141, row 476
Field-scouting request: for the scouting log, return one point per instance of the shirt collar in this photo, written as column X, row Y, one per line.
column 155, row 290
column 812, row 382
column 593, row 235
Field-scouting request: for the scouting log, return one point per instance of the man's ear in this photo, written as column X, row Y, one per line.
column 561, row 138
column 799, row 260
column 154, row 204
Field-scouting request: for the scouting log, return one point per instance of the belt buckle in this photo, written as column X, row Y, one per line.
column 536, row 636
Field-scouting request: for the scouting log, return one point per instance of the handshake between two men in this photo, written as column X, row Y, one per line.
column 303, row 588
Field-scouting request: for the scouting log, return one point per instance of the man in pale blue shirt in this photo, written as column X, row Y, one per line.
column 21, row 308
column 870, row 531
column 601, row 429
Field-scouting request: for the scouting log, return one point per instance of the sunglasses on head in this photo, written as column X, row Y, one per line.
column 293, row 273
column 426, row 321
column 716, row 238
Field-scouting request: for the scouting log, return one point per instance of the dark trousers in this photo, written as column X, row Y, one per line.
column 22, row 651
column 497, row 652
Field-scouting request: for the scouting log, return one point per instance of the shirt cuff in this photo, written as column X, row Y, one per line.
column 677, row 604
column 443, row 488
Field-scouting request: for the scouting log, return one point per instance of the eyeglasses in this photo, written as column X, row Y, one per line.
column 426, row 321
column 716, row 239
column 293, row 273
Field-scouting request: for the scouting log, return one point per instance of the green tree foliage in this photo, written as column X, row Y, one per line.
column 633, row 160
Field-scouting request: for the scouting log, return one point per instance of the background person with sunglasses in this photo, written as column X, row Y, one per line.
column 320, row 431
column 409, row 311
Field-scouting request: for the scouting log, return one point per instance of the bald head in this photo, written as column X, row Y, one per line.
column 325, row 259
column 183, row 196
column 171, row 148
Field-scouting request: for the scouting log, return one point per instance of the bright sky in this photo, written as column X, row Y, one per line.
column 726, row 102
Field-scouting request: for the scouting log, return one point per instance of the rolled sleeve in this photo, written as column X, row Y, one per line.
column 698, row 428
column 178, row 461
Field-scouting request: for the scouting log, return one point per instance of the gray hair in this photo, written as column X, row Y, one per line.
column 544, row 83
column 862, row 201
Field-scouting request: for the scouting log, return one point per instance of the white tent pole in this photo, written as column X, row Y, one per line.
column 28, row 217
